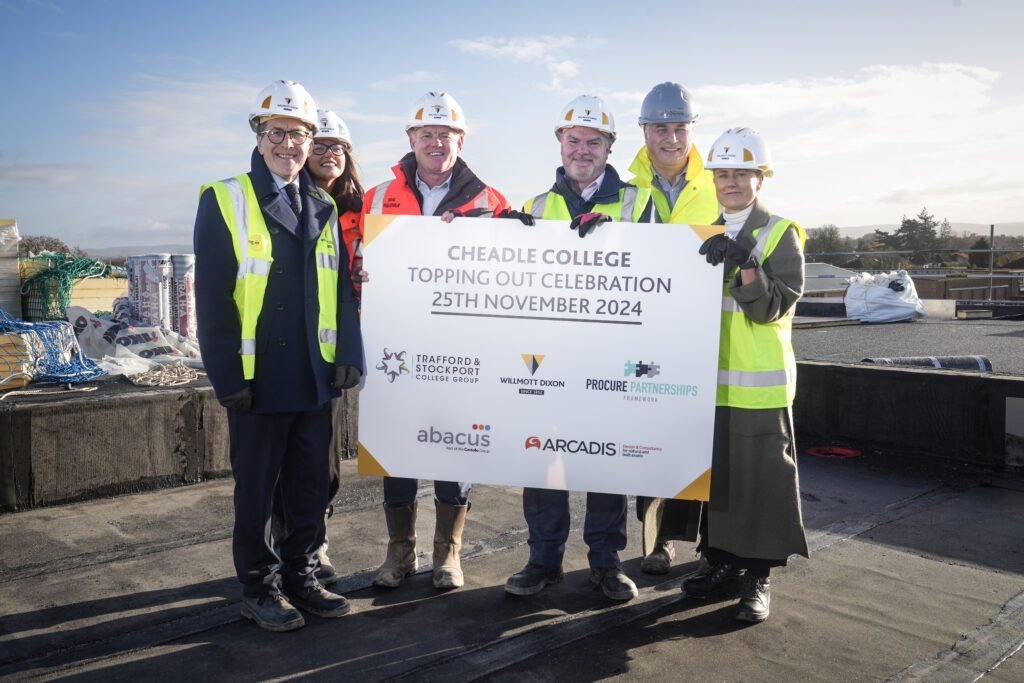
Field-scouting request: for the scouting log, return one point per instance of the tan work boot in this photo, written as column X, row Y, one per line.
column 659, row 561
column 447, row 541
column 401, row 558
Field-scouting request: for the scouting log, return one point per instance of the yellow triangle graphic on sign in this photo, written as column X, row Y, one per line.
column 703, row 231
column 699, row 488
column 369, row 465
column 374, row 225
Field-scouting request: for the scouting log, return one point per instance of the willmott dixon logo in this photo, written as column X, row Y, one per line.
column 392, row 363
column 532, row 361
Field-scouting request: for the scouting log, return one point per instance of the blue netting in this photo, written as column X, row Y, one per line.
column 61, row 359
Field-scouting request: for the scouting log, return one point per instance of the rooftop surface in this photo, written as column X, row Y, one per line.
column 1001, row 341
column 916, row 573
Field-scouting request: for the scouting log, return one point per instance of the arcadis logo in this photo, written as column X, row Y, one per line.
column 476, row 439
column 392, row 364
column 571, row 446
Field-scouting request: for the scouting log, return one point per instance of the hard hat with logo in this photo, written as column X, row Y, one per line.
column 283, row 98
column 330, row 125
column 436, row 109
column 740, row 148
column 667, row 103
column 588, row 111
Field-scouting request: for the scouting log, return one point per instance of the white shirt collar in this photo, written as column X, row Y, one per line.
column 592, row 188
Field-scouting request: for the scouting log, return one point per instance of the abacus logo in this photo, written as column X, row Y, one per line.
column 477, row 439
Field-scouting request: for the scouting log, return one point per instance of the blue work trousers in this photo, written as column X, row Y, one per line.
column 288, row 451
column 400, row 491
column 547, row 516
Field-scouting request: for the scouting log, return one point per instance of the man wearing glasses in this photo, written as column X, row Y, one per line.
column 279, row 332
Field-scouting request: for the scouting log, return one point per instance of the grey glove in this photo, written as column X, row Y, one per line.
column 240, row 400
column 346, row 376
column 719, row 248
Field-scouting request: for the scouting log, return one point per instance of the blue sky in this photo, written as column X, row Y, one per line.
column 116, row 112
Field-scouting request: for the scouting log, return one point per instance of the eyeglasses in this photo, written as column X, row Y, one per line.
column 336, row 149
column 276, row 135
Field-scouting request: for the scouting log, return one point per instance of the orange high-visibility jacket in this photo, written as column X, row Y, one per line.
column 467, row 195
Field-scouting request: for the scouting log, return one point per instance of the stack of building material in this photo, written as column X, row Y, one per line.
column 20, row 355
column 51, row 282
column 42, row 351
column 10, row 281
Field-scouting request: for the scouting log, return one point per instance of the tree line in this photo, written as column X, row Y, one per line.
column 933, row 241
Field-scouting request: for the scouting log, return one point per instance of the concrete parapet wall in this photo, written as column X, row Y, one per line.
column 948, row 414
column 81, row 447
column 88, row 445
column 84, row 447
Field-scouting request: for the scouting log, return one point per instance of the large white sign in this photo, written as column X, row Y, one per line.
column 504, row 354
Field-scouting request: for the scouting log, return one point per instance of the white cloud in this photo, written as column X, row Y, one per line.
column 406, row 79
column 542, row 50
column 46, row 5
column 889, row 137
column 32, row 173
column 880, row 106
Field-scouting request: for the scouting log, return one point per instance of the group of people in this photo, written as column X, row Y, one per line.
column 278, row 276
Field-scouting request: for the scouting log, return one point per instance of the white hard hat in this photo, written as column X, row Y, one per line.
column 283, row 98
column 330, row 125
column 588, row 111
column 740, row 148
column 437, row 109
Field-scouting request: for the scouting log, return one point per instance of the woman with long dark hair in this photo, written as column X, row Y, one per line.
column 331, row 165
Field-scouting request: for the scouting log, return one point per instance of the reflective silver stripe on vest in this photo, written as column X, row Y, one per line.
column 729, row 305
column 537, row 208
column 763, row 378
column 763, row 235
column 253, row 266
column 628, row 202
column 378, row 196
column 326, row 261
column 248, row 347
column 328, row 337
column 241, row 209
column 482, row 203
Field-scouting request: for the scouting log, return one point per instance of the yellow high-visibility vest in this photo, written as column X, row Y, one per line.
column 756, row 364
column 241, row 211
column 630, row 207
column 698, row 202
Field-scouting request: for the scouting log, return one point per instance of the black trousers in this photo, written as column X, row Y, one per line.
column 290, row 452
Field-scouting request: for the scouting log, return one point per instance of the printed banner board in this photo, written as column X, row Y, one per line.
column 504, row 354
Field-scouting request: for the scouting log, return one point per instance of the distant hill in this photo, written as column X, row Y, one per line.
column 115, row 252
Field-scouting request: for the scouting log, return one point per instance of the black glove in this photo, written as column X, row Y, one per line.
column 896, row 286
column 586, row 223
column 719, row 248
column 346, row 376
column 469, row 213
column 525, row 218
column 240, row 400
